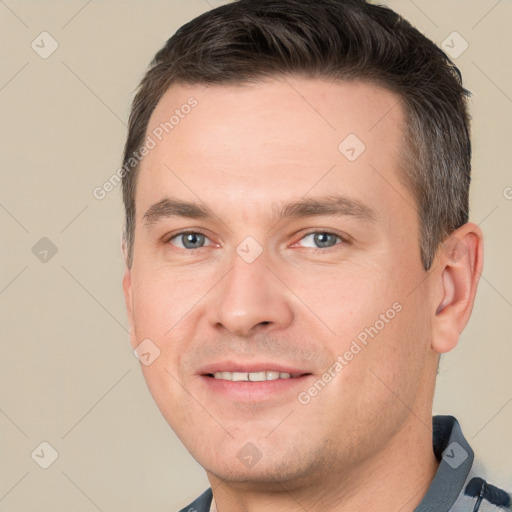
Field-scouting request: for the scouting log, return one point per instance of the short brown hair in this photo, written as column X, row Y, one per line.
column 250, row 40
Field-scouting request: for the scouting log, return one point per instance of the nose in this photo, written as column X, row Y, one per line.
column 249, row 298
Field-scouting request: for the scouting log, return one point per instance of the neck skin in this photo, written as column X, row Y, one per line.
column 394, row 479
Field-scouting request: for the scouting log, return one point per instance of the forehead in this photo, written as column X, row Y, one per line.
column 266, row 142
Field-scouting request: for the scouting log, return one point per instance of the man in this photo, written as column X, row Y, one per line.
column 298, row 255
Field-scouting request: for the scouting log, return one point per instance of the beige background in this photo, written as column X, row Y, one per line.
column 68, row 375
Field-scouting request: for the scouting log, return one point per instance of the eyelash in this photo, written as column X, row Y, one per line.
column 344, row 239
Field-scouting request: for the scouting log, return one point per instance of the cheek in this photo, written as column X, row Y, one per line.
column 161, row 299
column 346, row 300
column 397, row 361
column 165, row 307
column 382, row 337
column 157, row 310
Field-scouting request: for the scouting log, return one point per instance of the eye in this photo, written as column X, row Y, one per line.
column 189, row 240
column 321, row 240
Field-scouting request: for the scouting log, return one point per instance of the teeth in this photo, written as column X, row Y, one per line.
column 251, row 376
column 257, row 376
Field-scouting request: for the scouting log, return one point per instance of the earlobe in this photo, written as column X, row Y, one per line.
column 460, row 259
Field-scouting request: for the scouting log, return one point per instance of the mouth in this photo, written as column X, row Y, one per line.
column 259, row 376
column 254, row 382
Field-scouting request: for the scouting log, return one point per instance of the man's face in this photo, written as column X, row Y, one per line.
column 260, row 286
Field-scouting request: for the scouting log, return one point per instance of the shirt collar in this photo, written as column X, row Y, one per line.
column 455, row 458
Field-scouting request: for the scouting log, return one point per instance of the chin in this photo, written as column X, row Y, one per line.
column 265, row 477
column 269, row 468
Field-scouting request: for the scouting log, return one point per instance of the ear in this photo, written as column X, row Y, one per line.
column 128, row 293
column 460, row 259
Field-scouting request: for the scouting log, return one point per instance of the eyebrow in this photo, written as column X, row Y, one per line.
column 331, row 206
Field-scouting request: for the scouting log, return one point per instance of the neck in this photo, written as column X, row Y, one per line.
column 395, row 478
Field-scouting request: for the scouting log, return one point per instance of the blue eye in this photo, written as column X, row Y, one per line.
column 322, row 239
column 314, row 240
column 189, row 240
